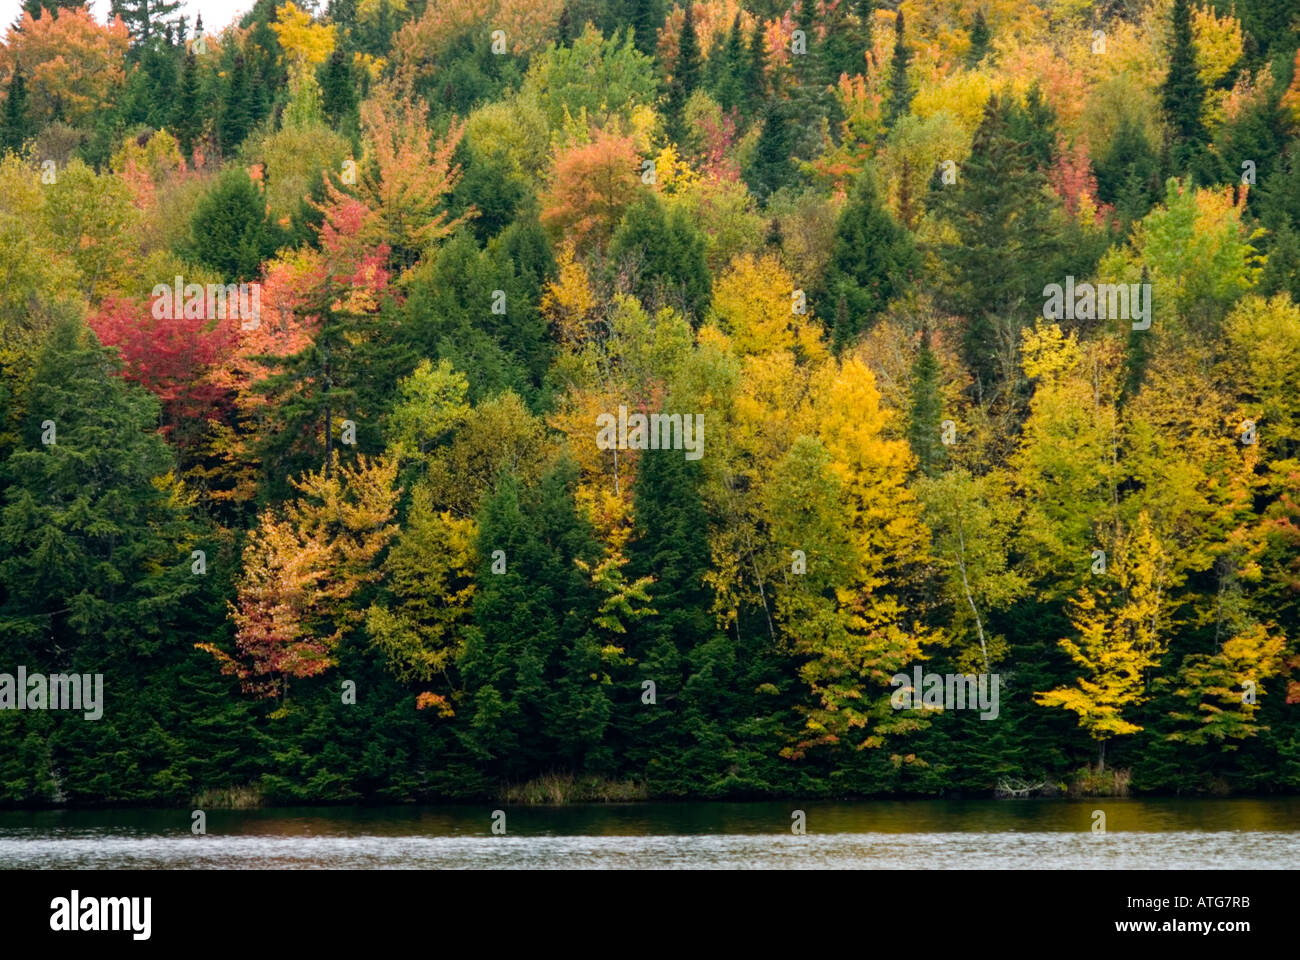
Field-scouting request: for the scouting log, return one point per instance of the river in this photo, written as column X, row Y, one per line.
column 897, row 835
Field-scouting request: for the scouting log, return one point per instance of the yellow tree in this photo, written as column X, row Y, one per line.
column 1119, row 624
column 302, row 572
column 755, row 303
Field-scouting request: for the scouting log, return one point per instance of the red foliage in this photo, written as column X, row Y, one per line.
column 171, row 358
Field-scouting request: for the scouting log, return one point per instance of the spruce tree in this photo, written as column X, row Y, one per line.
column 900, row 95
column 925, row 410
column 873, row 259
column 757, row 72
column 771, row 168
column 1003, row 248
column 14, row 128
column 236, row 106
column 979, row 40
column 231, row 231
column 338, row 90
column 144, row 19
column 686, row 72
column 187, row 121
column 1183, row 93
column 642, row 18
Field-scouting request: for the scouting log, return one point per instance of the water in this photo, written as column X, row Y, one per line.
column 899, row 835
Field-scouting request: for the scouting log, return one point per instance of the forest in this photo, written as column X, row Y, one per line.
column 553, row 400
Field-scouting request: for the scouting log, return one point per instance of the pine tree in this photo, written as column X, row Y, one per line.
column 979, row 40
column 771, row 168
column 1183, row 93
column 873, row 259
column 1004, row 245
column 757, row 72
column 900, row 95
column 145, row 19
column 642, row 19
column 14, row 128
column 187, row 121
column 338, row 90
column 236, row 106
column 686, row 71
column 925, row 410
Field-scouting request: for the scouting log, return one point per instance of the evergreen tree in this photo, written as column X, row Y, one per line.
column 144, row 19
column 644, row 20
column 14, row 128
column 187, row 120
column 873, row 259
column 94, row 542
column 925, row 410
column 900, row 95
column 1034, row 125
column 1004, row 245
column 1128, row 175
column 231, row 231
column 771, row 168
column 236, row 106
column 979, row 40
column 686, row 71
column 729, row 76
column 338, row 90
column 1183, row 93
column 757, row 73
column 666, row 254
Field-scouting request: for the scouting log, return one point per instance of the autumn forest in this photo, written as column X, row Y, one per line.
column 624, row 399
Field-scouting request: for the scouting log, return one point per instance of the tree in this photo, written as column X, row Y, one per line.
column 230, row 231
column 771, row 168
column 979, row 40
column 752, row 303
column 303, row 575
column 665, row 253
column 971, row 520
column 873, row 260
column 1119, row 626
column 236, row 106
column 14, row 128
column 187, row 116
column 900, row 94
column 686, row 68
column 925, row 410
column 145, row 19
column 73, row 66
column 95, row 533
column 1183, row 95
column 593, row 185
column 1003, row 247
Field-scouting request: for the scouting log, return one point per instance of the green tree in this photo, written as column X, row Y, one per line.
column 231, row 231
column 900, row 94
column 872, row 261
column 1183, row 92
column 15, row 129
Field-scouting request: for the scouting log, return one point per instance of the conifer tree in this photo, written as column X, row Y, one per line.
column 873, row 259
column 900, row 95
column 14, row 127
column 925, row 410
column 1183, row 93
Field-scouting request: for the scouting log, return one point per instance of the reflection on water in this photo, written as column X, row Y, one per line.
column 1200, row 834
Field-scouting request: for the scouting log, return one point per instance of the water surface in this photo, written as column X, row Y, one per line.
column 884, row 835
